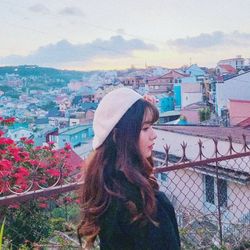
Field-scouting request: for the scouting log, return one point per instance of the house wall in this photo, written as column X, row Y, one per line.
column 187, row 186
column 239, row 202
column 234, row 88
column 192, row 116
column 177, row 95
column 73, row 140
column 190, row 93
column 188, row 98
column 184, row 186
column 166, row 103
column 237, row 63
column 186, row 189
column 238, row 111
column 17, row 134
column 74, row 121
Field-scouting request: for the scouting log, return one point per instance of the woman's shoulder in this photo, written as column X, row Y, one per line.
column 161, row 196
column 164, row 202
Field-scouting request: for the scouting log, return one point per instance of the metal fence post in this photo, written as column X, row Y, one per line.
column 218, row 192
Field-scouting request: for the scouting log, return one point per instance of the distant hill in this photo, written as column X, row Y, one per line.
column 34, row 70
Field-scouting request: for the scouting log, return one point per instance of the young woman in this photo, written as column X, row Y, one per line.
column 121, row 203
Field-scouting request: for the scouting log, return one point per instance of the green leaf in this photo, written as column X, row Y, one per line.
column 1, row 234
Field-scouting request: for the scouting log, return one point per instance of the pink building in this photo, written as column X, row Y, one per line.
column 77, row 85
column 239, row 111
column 165, row 83
column 191, row 112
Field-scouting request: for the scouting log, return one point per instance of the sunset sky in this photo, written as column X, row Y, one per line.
column 115, row 34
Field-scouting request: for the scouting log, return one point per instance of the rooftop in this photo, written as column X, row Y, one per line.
column 73, row 130
column 221, row 133
column 170, row 113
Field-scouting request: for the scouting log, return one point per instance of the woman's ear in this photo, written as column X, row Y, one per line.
column 114, row 135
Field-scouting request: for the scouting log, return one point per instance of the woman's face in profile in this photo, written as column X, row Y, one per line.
column 147, row 137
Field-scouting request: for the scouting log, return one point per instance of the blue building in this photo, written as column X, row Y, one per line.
column 75, row 135
column 195, row 70
column 177, row 96
column 165, row 103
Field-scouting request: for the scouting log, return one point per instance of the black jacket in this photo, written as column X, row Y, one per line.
column 118, row 233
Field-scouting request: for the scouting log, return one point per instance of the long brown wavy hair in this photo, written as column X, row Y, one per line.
column 119, row 152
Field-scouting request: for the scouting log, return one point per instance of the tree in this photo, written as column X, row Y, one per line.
column 204, row 114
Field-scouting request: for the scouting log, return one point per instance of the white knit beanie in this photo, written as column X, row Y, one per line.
column 110, row 110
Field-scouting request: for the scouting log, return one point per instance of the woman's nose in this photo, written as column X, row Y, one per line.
column 153, row 134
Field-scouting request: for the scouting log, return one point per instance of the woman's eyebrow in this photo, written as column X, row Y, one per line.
column 147, row 122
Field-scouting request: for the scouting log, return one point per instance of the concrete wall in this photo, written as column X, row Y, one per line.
column 235, row 88
column 238, row 111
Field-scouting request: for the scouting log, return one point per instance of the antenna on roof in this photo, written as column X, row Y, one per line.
column 190, row 61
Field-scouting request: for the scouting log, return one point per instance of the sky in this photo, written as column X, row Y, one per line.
column 118, row 34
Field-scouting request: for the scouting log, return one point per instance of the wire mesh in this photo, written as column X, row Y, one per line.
column 212, row 203
column 211, row 200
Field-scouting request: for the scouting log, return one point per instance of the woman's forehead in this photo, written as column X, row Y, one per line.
column 148, row 116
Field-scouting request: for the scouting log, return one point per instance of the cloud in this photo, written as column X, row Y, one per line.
column 71, row 11
column 120, row 31
column 215, row 39
column 39, row 8
column 64, row 52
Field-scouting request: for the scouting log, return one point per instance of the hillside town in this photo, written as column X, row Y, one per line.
column 62, row 110
column 194, row 102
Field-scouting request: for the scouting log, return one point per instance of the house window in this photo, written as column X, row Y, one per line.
column 222, row 184
column 164, row 176
column 211, row 191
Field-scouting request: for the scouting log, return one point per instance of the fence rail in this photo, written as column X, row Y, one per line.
column 211, row 196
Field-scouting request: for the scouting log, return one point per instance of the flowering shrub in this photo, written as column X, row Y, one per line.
column 24, row 167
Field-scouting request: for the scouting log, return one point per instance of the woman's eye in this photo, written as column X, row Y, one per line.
column 145, row 128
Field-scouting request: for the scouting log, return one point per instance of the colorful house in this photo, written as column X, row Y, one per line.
column 225, row 69
column 236, row 88
column 74, row 136
column 165, row 103
column 164, row 84
column 17, row 133
column 237, row 62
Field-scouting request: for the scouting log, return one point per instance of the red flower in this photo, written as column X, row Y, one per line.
column 53, row 172
column 17, row 163
column 24, row 171
column 34, row 162
column 29, row 142
column 67, row 199
column 1, row 133
column 8, row 120
column 77, row 201
column 38, row 148
column 15, row 205
column 67, row 147
column 43, row 205
column 6, row 141
column 5, row 164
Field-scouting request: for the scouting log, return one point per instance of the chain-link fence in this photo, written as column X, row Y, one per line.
column 211, row 198
column 46, row 222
